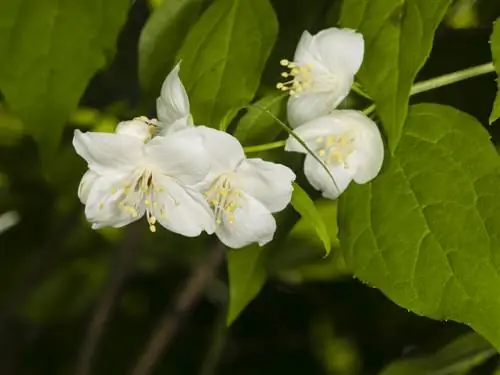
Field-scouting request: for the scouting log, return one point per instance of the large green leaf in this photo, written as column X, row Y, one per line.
column 257, row 126
column 50, row 50
column 161, row 39
column 398, row 39
column 426, row 231
column 224, row 55
column 495, row 51
column 456, row 358
column 247, row 275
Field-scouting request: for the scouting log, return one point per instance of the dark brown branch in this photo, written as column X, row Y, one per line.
column 120, row 269
column 173, row 316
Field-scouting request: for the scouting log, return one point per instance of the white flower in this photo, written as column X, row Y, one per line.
column 243, row 192
column 132, row 174
column 172, row 105
column 347, row 142
column 322, row 72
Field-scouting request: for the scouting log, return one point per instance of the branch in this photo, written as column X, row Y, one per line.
column 120, row 268
column 172, row 317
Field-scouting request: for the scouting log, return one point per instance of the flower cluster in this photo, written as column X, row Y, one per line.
column 346, row 141
column 185, row 178
column 191, row 179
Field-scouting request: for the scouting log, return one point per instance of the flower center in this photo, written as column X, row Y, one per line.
column 335, row 149
column 223, row 197
column 143, row 193
column 152, row 126
column 300, row 78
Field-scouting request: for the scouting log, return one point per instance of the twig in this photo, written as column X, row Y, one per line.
column 120, row 269
column 172, row 317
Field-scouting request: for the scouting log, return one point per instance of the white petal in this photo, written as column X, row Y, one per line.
column 340, row 47
column 182, row 210
column 322, row 181
column 369, row 156
column 180, row 155
column 224, row 150
column 252, row 223
column 312, row 130
column 85, row 186
column 173, row 103
column 269, row 183
column 108, row 152
column 311, row 105
column 8, row 220
column 103, row 203
column 305, row 49
column 179, row 124
column 137, row 127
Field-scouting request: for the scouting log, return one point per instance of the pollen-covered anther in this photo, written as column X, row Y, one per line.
column 335, row 149
column 300, row 78
column 222, row 198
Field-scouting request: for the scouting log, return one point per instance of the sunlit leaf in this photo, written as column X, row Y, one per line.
column 426, row 231
column 456, row 358
column 50, row 50
column 224, row 55
column 161, row 39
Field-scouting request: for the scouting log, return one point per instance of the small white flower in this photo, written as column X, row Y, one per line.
column 347, row 142
column 132, row 174
column 322, row 73
column 172, row 105
column 243, row 192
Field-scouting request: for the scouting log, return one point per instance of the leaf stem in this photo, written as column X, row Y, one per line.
column 265, row 146
column 451, row 78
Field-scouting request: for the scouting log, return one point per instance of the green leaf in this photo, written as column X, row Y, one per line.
column 495, row 51
column 161, row 39
column 456, row 358
column 398, row 39
column 257, row 126
column 247, row 275
column 426, row 231
column 304, row 205
column 224, row 55
column 50, row 51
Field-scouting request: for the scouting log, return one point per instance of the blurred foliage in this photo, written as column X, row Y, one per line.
column 311, row 316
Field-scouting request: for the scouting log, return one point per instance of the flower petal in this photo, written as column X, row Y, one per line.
column 181, row 209
column 305, row 49
column 367, row 160
column 311, row 105
column 224, row 150
column 108, row 152
column 180, row 155
column 103, row 203
column 269, row 183
column 322, row 181
column 340, row 47
column 85, row 186
column 252, row 223
column 173, row 103
column 312, row 130
column 137, row 127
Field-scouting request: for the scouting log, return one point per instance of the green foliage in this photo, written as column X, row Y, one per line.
column 456, row 358
column 398, row 39
column 161, row 38
column 427, row 230
column 304, row 205
column 224, row 55
column 50, row 50
column 247, row 275
column 495, row 51
column 257, row 126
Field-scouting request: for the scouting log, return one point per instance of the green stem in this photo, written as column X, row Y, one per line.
column 265, row 146
column 451, row 78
